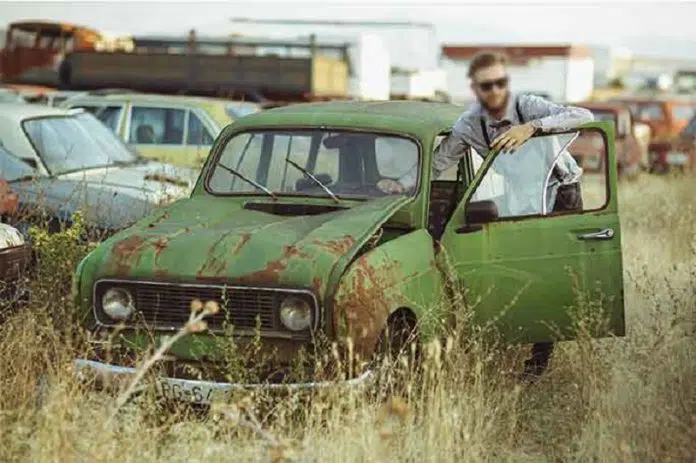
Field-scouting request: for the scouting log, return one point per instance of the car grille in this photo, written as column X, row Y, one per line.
column 168, row 306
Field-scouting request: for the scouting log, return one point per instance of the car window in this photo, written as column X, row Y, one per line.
column 12, row 168
column 691, row 128
column 110, row 116
column 72, row 143
column 682, row 112
column 524, row 183
column 197, row 134
column 160, row 126
column 350, row 164
column 649, row 111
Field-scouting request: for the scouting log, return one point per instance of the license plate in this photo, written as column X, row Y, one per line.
column 675, row 157
column 185, row 391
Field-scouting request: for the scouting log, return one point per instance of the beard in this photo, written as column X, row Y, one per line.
column 492, row 109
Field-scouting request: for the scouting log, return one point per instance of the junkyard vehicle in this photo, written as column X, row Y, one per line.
column 15, row 259
column 58, row 161
column 684, row 146
column 288, row 232
column 629, row 154
column 175, row 129
column 33, row 50
column 666, row 117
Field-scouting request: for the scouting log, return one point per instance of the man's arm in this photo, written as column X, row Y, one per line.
column 543, row 115
column 550, row 116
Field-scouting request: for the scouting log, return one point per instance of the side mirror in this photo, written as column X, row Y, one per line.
column 477, row 214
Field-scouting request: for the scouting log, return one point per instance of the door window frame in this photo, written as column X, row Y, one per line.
column 609, row 206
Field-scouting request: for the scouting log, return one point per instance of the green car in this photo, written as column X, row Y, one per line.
column 288, row 232
column 174, row 129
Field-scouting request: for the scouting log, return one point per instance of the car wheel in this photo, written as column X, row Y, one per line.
column 397, row 355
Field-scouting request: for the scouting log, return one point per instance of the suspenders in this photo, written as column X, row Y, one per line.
column 484, row 129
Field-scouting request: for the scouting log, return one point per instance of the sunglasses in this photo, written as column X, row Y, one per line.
column 487, row 85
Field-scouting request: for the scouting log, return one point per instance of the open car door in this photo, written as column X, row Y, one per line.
column 533, row 273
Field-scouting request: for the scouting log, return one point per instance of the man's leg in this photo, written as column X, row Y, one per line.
column 568, row 198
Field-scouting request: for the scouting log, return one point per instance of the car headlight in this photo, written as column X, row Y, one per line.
column 295, row 313
column 117, row 303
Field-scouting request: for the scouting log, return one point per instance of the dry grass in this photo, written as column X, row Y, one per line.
column 630, row 399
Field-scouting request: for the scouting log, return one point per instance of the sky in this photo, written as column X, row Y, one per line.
column 649, row 28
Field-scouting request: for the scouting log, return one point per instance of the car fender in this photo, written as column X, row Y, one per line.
column 401, row 273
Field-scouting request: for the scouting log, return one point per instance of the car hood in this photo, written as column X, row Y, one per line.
column 214, row 239
column 110, row 198
column 151, row 179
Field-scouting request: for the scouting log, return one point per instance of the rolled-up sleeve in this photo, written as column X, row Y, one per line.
column 553, row 116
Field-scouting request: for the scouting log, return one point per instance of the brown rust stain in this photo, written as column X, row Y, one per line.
column 317, row 283
column 240, row 244
column 367, row 307
column 160, row 245
column 337, row 246
column 270, row 274
column 127, row 253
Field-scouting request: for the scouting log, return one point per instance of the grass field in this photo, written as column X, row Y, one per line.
column 628, row 400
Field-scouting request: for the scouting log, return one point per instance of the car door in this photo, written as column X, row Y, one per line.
column 528, row 272
column 158, row 132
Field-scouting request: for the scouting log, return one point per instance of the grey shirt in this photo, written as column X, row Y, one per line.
column 467, row 133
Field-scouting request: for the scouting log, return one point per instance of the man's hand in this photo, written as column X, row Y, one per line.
column 390, row 186
column 513, row 138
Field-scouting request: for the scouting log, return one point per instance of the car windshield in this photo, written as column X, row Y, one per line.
column 12, row 168
column 73, row 143
column 647, row 111
column 691, row 128
column 239, row 110
column 349, row 164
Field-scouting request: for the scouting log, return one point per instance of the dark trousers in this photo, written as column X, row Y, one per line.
column 568, row 198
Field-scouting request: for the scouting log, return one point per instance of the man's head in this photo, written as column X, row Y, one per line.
column 489, row 80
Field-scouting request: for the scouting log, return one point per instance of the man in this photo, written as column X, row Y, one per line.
column 501, row 120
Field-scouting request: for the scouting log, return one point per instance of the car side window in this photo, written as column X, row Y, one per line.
column 543, row 177
column 110, row 116
column 161, row 126
column 198, row 134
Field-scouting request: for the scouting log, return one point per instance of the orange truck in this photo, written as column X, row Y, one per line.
column 667, row 116
column 34, row 50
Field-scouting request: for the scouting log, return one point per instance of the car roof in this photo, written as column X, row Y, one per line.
column 413, row 117
column 17, row 112
column 163, row 98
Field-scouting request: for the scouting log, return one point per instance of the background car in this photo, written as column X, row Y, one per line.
column 58, row 161
column 175, row 129
column 667, row 117
column 630, row 155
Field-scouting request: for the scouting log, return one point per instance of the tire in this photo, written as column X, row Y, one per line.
column 397, row 354
column 538, row 363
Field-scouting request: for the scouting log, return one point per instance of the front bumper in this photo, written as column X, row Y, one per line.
column 202, row 392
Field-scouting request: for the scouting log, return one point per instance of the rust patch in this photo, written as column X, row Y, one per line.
column 126, row 253
column 338, row 246
column 269, row 274
column 240, row 244
column 367, row 307
column 317, row 283
column 160, row 245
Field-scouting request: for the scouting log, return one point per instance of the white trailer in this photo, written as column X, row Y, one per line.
column 563, row 72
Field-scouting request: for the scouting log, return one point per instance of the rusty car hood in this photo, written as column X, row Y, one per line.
column 214, row 239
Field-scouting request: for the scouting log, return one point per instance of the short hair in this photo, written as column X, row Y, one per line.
column 486, row 59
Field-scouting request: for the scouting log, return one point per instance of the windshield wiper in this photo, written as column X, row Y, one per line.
column 249, row 181
column 314, row 179
column 24, row 178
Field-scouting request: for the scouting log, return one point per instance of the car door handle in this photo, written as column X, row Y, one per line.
column 605, row 234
